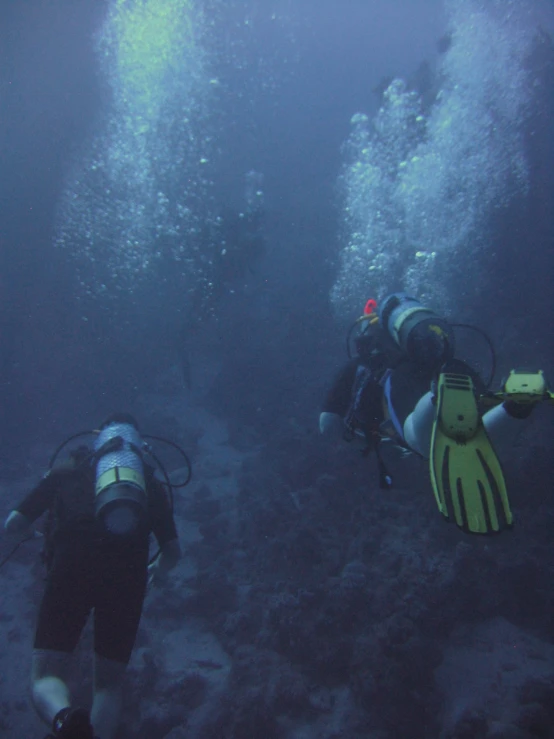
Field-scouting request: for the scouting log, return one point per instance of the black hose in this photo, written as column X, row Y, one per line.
column 181, row 452
column 167, row 482
column 65, row 443
column 15, row 548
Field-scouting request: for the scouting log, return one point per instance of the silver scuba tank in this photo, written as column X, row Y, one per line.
column 120, row 499
column 419, row 333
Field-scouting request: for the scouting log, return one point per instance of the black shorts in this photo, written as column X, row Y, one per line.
column 85, row 576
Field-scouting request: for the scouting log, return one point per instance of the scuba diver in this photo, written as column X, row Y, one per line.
column 406, row 386
column 102, row 505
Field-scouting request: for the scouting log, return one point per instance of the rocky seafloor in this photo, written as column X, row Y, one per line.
column 310, row 604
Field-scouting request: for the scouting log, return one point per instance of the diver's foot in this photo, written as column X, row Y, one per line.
column 72, row 723
column 523, row 391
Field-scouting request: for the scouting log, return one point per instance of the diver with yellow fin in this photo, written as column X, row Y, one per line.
column 405, row 386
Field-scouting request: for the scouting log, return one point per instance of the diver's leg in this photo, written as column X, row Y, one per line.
column 523, row 392
column 49, row 689
column 418, row 426
column 503, row 428
column 62, row 615
column 116, row 621
column 106, row 706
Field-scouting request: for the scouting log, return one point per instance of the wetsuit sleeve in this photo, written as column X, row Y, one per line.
column 39, row 499
column 161, row 516
column 340, row 393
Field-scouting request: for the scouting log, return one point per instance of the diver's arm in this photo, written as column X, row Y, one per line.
column 337, row 399
column 17, row 523
column 165, row 531
column 31, row 507
column 332, row 428
column 335, row 406
column 168, row 557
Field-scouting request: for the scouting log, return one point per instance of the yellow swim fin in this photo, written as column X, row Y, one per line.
column 466, row 475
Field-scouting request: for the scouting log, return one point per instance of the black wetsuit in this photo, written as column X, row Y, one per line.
column 388, row 394
column 90, row 568
column 395, row 391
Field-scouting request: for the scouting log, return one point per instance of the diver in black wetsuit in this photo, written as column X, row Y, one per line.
column 103, row 507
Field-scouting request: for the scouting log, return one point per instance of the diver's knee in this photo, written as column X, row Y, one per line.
column 418, row 426
column 410, row 436
column 503, row 428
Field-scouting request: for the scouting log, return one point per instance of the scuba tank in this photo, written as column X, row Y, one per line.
column 120, row 500
column 417, row 331
column 117, row 460
column 372, row 345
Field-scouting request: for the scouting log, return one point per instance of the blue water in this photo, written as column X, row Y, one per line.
column 197, row 198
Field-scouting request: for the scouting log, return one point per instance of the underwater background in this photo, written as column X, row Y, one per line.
column 197, row 198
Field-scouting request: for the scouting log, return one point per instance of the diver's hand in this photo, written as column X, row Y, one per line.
column 167, row 559
column 331, row 426
column 17, row 524
column 157, row 575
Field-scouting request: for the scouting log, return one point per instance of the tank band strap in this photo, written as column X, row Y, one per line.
column 119, row 474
